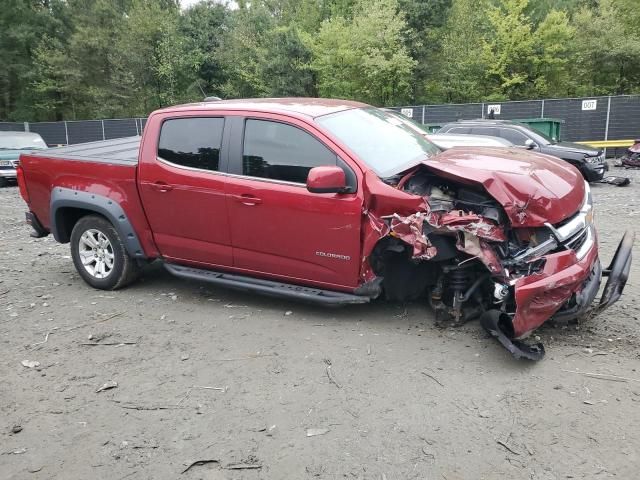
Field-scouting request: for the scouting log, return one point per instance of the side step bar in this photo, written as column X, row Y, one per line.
column 266, row 287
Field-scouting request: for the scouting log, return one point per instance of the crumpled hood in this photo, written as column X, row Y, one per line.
column 531, row 187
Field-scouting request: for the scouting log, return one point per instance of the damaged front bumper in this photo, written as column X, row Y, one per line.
column 477, row 258
column 564, row 290
column 566, row 284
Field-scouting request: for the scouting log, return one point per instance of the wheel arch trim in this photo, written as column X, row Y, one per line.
column 62, row 198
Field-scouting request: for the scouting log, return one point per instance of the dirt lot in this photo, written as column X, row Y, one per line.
column 209, row 374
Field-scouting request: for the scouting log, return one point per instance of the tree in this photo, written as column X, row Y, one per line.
column 286, row 66
column 202, row 26
column 152, row 60
column 608, row 48
column 463, row 63
column 425, row 22
column 23, row 24
column 243, row 51
column 554, row 55
column 365, row 57
column 509, row 50
column 70, row 59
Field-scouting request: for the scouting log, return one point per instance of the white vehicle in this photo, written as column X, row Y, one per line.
column 446, row 141
column 450, row 140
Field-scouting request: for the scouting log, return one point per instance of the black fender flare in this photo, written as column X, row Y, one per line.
column 62, row 197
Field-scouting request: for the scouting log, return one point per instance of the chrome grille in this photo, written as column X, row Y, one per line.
column 576, row 232
column 577, row 241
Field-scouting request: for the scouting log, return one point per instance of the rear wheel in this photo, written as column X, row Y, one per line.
column 99, row 254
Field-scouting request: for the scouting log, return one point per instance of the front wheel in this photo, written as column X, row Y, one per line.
column 99, row 254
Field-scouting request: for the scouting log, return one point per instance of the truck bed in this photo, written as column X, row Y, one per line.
column 119, row 150
column 105, row 168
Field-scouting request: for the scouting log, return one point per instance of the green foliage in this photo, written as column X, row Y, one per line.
column 509, row 49
column 286, row 67
column 608, row 46
column 23, row 26
column 71, row 59
column 244, row 50
column 364, row 57
column 463, row 67
column 553, row 53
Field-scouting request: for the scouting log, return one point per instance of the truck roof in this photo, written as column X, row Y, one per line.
column 299, row 106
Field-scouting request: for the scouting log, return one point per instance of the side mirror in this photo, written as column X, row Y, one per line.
column 530, row 144
column 330, row 179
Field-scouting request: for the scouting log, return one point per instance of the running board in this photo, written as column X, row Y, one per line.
column 266, row 287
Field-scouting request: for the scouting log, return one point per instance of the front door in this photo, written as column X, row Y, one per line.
column 183, row 195
column 278, row 227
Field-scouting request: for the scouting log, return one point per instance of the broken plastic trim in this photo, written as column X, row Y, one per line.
column 490, row 321
column 618, row 271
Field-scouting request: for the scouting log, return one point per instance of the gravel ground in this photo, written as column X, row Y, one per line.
column 240, row 381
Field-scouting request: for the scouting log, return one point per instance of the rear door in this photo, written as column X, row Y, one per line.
column 182, row 190
column 278, row 227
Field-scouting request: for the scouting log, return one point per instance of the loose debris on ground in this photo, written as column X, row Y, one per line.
column 219, row 384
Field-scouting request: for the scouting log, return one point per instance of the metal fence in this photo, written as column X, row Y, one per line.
column 585, row 119
column 78, row 131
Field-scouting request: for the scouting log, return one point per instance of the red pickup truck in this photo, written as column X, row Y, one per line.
column 333, row 202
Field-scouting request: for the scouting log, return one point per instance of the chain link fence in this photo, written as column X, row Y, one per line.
column 584, row 119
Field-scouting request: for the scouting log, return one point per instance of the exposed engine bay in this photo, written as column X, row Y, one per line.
column 461, row 251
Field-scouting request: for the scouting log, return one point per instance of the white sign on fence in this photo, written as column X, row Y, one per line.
column 494, row 108
column 407, row 112
column 589, row 104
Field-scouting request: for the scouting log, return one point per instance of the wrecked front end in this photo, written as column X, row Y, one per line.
column 474, row 257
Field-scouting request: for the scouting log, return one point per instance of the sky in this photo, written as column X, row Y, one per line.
column 187, row 3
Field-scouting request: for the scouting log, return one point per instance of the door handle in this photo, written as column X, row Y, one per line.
column 161, row 187
column 247, row 199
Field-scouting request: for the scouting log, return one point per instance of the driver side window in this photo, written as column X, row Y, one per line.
column 513, row 136
column 281, row 152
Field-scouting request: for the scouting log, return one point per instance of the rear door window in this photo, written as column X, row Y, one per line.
column 513, row 136
column 281, row 152
column 192, row 142
column 488, row 131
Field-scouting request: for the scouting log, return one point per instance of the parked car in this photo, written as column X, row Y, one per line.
column 589, row 161
column 333, row 202
column 446, row 141
column 12, row 144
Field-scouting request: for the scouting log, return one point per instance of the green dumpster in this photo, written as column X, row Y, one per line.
column 547, row 126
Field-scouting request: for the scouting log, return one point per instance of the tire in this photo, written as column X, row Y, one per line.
column 99, row 254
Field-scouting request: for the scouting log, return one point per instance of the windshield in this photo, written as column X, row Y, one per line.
column 21, row 142
column 383, row 141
